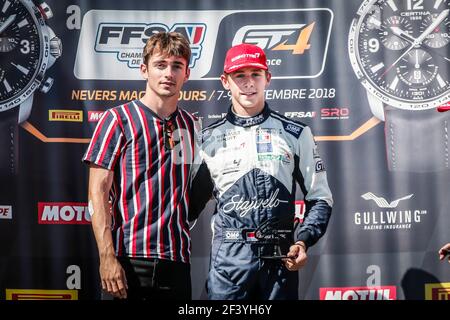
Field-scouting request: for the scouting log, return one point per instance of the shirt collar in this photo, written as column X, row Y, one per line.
column 248, row 121
column 143, row 106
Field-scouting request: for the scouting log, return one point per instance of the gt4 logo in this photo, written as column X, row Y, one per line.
column 276, row 37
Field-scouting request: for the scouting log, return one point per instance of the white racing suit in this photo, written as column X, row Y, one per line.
column 252, row 166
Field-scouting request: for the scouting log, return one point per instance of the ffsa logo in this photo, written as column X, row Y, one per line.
column 127, row 40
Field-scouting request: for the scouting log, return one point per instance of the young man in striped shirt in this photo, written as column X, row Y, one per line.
column 141, row 158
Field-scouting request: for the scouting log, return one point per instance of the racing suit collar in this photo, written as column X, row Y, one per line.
column 248, row 121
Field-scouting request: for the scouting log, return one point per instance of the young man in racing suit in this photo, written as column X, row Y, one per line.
column 251, row 161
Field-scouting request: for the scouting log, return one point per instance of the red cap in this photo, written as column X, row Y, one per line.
column 244, row 55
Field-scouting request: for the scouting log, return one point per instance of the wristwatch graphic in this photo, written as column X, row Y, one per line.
column 400, row 52
column 28, row 47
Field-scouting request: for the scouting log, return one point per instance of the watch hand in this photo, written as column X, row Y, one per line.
column 418, row 41
column 417, row 65
column 433, row 25
column 7, row 22
column 399, row 58
column 403, row 34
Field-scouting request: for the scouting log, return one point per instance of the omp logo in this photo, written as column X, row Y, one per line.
column 276, row 37
column 37, row 294
column 63, row 213
column 231, row 235
column 5, row 212
column 359, row 293
column 65, row 115
column 127, row 40
column 382, row 202
column 300, row 209
column 437, row 291
column 95, row 116
column 293, row 129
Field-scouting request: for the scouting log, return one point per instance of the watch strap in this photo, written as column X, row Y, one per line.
column 8, row 142
column 417, row 141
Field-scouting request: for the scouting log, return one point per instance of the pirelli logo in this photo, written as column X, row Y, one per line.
column 38, row 294
column 65, row 115
column 437, row 291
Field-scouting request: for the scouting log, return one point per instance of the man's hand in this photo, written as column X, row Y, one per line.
column 296, row 257
column 445, row 250
column 113, row 277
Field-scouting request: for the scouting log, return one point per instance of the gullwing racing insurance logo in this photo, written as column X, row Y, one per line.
column 391, row 215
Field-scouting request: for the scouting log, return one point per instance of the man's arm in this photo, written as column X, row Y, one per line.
column 111, row 272
column 201, row 191
column 311, row 176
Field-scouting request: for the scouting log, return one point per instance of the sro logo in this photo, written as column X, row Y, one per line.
column 334, row 113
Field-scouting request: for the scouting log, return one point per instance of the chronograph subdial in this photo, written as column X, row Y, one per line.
column 417, row 67
column 388, row 37
column 440, row 36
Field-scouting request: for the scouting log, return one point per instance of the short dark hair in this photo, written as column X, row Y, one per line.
column 170, row 43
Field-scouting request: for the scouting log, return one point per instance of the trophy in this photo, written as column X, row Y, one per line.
column 274, row 239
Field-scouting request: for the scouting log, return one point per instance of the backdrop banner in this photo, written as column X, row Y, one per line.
column 366, row 76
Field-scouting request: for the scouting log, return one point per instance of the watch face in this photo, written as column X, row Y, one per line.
column 400, row 51
column 20, row 51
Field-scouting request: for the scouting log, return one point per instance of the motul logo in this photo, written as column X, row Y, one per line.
column 63, row 213
column 359, row 293
column 94, row 116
